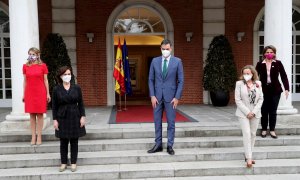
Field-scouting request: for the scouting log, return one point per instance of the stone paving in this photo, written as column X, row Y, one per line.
column 206, row 115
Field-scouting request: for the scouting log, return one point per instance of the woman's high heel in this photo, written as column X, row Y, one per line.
column 249, row 165
column 273, row 135
column 73, row 167
column 39, row 141
column 33, row 142
column 263, row 134
column 253, row 162
column 62, row 168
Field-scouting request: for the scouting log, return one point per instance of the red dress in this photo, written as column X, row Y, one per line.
column 35, row 97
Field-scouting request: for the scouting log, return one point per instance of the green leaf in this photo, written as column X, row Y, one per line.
column 220, row 70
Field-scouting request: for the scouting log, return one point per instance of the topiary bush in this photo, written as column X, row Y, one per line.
column 54, row 53
column 220, row 71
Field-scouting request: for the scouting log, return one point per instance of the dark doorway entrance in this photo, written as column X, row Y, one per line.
column 140, row 58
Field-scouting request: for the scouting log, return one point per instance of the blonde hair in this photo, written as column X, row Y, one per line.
column 253, row 71
column 37, row 52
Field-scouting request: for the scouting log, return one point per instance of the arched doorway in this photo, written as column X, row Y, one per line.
column 5, row 63
column 143, row 24
column 259, row 45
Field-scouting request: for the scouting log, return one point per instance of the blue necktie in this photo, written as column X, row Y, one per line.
column 165, row 68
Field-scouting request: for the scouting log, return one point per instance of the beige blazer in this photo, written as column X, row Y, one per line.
column 242, row 100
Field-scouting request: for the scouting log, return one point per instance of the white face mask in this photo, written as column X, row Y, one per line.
column 165, row 53
column 66, row 78
column 247, row 77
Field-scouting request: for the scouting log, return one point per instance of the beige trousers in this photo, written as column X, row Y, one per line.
column 249, row 128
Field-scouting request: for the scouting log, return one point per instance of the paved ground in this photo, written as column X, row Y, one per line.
column 206, row 115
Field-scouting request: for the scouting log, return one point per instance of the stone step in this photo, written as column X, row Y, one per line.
column 146, row 143
column 147, row 131
column 157, row 170
column 141, row 156
column 237, row 177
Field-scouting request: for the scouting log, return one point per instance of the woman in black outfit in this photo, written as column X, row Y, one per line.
column 68, row 116
column 268, row 70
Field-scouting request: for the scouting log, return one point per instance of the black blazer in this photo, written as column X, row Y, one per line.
column 67, row 109
column 276, row 69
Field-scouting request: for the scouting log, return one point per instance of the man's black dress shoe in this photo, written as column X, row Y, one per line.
column 170, row 150
column 155, row 149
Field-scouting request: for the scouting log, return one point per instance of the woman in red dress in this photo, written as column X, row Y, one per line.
column 36, row 93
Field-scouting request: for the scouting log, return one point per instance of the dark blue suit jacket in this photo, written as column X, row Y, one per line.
column 169, row 87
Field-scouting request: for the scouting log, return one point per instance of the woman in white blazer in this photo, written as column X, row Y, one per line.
column 249, row 99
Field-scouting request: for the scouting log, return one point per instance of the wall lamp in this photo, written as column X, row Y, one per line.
column 188, row 36
column 240, row 35
column 90, row 36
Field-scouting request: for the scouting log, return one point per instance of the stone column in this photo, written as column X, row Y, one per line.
column 24, row 33
column 278, row 32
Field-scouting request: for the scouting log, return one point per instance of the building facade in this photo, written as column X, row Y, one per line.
column 91, row 29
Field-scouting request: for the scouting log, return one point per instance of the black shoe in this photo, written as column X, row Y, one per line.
column 170, row 150
column 155, row 149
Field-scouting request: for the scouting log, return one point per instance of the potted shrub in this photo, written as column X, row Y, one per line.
column 220, row 72
column 55, row 54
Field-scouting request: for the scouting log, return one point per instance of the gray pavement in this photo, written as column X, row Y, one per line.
column 202, row 115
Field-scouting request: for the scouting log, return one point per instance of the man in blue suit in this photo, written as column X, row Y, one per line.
column 165, row 85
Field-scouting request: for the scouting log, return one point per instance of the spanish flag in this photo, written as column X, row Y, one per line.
column 119, row 72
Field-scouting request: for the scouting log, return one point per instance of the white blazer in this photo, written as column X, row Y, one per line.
column 243, row 102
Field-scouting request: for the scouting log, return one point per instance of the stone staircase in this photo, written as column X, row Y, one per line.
column 208, row 153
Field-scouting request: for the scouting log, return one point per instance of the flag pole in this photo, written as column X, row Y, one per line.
column 120, row 109
column 125, row 104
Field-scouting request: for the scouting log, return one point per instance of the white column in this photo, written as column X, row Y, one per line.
column 24, row 33
column 278, row 32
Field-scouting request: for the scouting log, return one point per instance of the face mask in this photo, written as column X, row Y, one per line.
column 66, row 78
column 247, row 77
column 165, row 53
column 269, row 56
column 32, row 58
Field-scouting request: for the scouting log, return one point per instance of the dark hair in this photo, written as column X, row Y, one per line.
column 165, row 42
column 60, row 72
column 265, row 50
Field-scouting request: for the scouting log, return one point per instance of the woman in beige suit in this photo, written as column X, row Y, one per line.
column 249, row 99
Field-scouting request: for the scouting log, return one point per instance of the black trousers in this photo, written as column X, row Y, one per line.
column 269, row 111
column 64, row 143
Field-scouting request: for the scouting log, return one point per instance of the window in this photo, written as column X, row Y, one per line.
column 5, row 65
column 139, row 20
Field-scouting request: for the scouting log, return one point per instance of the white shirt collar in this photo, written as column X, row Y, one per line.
column 264, row 61
column 168, row 58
